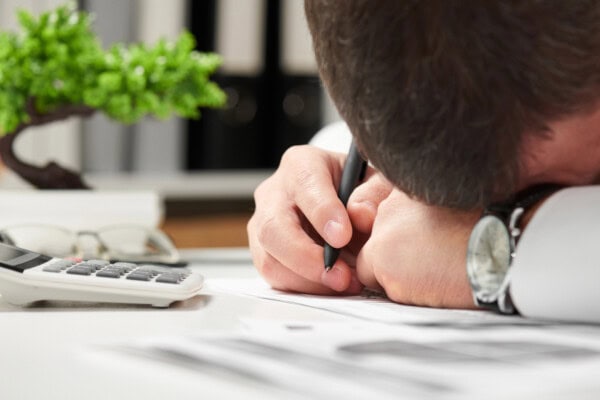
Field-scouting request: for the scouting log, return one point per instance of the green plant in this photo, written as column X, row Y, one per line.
column 56, row 68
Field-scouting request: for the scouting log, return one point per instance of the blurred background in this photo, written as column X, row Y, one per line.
column 207, row 169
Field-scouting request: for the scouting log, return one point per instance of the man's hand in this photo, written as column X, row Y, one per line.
column 417, row 253
column 297, row 209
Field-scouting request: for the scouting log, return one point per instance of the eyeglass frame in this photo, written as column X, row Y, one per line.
column 104, row 250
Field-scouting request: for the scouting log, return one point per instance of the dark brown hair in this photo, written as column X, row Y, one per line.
column 438, row 93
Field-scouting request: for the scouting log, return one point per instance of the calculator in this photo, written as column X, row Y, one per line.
column 27, row 277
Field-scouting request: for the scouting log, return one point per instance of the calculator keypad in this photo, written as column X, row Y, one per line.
column 117, row 270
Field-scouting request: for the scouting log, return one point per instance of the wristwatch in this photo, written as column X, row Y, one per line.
column 492, row 246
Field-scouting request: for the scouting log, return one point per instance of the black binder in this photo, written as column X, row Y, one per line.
column 266, row 113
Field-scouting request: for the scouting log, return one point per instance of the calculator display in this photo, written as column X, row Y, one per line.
column 9, row 252
column 19, row 259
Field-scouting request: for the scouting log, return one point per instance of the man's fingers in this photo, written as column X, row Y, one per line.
column 279, row 277
column 282, row 278
column 364, row 201
column 280, row 235
column 282, row 232
column 365, row 270
column 314, row 191
column 341, row 279
column 285, row 240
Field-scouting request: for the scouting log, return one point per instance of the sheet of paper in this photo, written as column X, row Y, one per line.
column 378, row 349
column 359, row 359
column 368, row 306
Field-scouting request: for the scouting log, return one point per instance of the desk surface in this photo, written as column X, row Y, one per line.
column 44, row 349
column 41, row 346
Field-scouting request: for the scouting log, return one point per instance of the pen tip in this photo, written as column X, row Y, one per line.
column 328, row 268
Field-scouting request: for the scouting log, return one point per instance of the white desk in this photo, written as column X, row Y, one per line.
column 44, row 350
column 41, row 346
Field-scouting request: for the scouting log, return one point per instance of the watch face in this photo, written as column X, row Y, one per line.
column 488, row 257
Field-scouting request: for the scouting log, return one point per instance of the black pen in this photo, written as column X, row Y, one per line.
column 354, row 172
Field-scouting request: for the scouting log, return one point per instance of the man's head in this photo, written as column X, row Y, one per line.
column 440, row 94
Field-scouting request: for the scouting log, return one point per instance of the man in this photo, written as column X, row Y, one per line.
column 459, row 105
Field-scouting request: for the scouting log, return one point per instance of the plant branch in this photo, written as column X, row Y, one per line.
column 52, row 175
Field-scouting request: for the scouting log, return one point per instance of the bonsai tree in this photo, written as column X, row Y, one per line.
column 56, row 68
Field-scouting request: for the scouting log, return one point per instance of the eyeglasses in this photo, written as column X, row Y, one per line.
column 115, row 243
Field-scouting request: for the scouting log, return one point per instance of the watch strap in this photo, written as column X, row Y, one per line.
column 502, row 305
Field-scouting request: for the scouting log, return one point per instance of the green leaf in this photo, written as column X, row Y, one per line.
column 58, row 60
column 110, row 81
column 27, row 20
column 136, row 80
column 95, row 97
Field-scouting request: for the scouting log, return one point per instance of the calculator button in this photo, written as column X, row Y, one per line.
column 153, row 271
column 142, row 272
column 124, row 265
column 58, row 265
column 100, row 263
column 139, row 276
column 167, row 278
column 64, row 263
column 122, row 270
column 91, row 266
column 80, row 270
column 108, row 274
column 52, row 268
column 97, row 262
column 119, row 271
